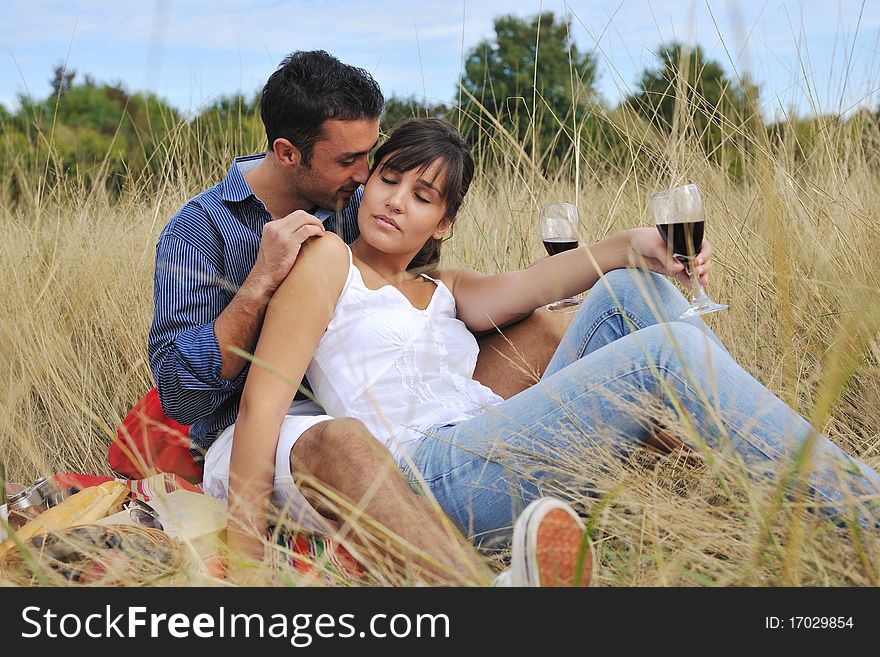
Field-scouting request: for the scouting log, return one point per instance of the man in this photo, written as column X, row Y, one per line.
column 220, row 259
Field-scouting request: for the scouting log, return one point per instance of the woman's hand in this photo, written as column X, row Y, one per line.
column 648, row 249
column 245, row 551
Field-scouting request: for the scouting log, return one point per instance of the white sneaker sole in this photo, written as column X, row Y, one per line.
column 525, row 567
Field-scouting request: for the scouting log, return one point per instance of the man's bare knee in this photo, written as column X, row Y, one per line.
column 341, row 454
column 351, row 437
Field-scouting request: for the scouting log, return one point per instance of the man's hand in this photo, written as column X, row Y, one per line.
column 279, row 246
column 648, row 249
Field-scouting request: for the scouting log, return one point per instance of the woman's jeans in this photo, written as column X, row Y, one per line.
column 618, row 372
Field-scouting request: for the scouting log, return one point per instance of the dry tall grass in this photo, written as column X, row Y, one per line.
column 797, row 249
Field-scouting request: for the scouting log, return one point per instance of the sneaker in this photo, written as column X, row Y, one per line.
column 549, row 542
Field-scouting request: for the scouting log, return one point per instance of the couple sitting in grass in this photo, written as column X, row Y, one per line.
column 406, row 441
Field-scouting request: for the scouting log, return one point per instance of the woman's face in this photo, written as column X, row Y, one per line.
column 400, row 211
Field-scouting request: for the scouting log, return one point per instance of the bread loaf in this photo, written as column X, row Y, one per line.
column 82, row 508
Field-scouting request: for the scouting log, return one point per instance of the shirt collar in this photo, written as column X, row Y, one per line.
column 323, row 214
column 234, row 187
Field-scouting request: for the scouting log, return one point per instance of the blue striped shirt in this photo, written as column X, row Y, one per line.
column 203, row 256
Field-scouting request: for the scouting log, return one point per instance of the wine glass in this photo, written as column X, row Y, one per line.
column 559, row 229
column 678, row 213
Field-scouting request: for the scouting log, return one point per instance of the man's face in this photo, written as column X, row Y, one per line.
column 339, row 163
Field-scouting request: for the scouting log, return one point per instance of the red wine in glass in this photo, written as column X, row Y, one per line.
column 686, row 237
column 556, row 245
column 559, row 229
column 679, row 216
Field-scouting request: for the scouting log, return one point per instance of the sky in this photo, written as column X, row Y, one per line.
column 807, row 56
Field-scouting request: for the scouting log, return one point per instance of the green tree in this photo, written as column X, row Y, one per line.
column 229, row 126
column 99, row 132
column 693, row 96
column 533, row 80
column 397, row 109
column 62, row 80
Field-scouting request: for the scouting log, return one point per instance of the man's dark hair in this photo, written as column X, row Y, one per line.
column 415, row 144
column 308, row 88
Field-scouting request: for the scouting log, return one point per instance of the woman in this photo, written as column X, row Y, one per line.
column 394, row 349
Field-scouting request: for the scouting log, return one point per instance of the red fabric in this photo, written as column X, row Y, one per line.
column 149, row 442
column 142, row 489
column 66, row 480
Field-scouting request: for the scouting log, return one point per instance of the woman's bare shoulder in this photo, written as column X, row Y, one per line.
column 322, row 263
column 453, row 277
column 328, row 244
column 327, row 253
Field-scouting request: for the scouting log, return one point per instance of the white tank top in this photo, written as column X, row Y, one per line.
column 397, row 369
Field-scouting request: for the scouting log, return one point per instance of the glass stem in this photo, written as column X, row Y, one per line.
column 698, row 294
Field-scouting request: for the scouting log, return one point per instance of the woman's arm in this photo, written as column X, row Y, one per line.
column 295, row 320
column 484, row 302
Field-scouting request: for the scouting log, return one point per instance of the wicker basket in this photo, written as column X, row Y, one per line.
column 95, row 555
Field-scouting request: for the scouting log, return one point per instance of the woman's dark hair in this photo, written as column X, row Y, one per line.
column 418, row 143
column 308, row 88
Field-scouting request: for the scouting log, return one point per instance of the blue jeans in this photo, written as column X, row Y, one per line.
column 623, row 366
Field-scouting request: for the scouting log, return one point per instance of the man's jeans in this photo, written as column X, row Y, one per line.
column 617, row 373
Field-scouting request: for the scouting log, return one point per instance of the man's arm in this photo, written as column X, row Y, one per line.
column 198, row 318
column 185, row 358
column 239, row 326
